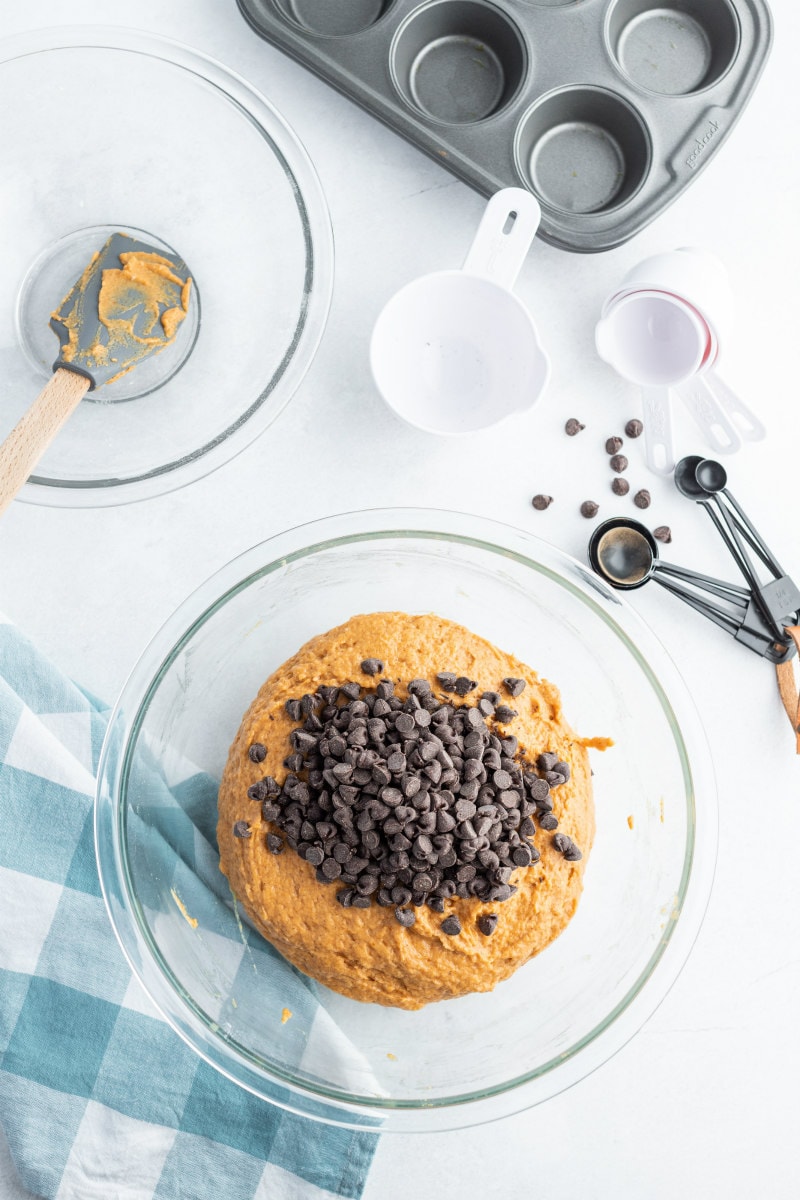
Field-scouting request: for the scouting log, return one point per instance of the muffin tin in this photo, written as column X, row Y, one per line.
column 605, row 109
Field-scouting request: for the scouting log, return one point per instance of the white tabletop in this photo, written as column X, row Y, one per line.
column 703, row 1101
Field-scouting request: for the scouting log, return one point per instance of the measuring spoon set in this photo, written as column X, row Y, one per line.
column 625, row 554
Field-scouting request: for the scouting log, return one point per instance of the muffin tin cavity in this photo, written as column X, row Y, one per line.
column 330, row 19
column 458, row 61
column 605, row 109
column 582, row 150
column 674, row 49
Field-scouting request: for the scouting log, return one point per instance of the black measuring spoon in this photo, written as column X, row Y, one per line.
column 780, row 597
column 625, row 553
column 705, row 481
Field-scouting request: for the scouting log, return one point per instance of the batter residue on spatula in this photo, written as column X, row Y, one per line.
column 140, row 306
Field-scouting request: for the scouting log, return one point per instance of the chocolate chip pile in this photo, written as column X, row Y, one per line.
column 410, row 802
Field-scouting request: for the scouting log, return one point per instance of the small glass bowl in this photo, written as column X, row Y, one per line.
column 647, row 881
column 186, row 155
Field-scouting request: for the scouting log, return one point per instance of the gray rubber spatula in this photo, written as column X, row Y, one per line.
column 126, row 306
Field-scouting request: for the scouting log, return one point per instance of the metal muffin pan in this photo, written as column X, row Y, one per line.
column 605, row 109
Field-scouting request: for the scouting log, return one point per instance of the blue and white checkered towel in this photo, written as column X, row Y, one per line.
column 99, row 1099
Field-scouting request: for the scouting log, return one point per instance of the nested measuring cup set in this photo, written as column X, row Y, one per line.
column 455, row 352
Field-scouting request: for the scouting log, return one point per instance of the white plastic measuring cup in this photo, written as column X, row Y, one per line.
column 457, row 351
column 662, row 330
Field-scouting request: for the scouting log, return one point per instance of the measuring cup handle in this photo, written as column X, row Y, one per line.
column 704, row 407
column 743, row 418
column 504, row 236
column 657, row 413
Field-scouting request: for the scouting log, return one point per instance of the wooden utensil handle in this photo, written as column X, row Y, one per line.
column 34, row 431
column 787, row 686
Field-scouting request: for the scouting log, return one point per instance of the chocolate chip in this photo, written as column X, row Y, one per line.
column 241, row 829
column 315, row 855
column 589, row 509
column 642, row 498
column 406, row 917
column 463, row 685
column 634, row 428
column 546, row 761
column 514, row 687
column 451, row 926
column 345, row 897
column 613, row 445
column 620, row 487
column 540, row 502
column 567, row 847
column 274, row 843
column 447, row 679
column 487, row 923
column 504, row 714
column 573, row 426
column 618, row 463
column 293, row 709
column 663, row 533
column 372, row 666
column 548, row 821
column 257, row 752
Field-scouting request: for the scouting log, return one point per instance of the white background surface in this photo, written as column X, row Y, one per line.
column 703, row 1102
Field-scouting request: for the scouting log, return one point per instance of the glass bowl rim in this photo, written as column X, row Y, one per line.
column 317, row 234
column 334, row 1105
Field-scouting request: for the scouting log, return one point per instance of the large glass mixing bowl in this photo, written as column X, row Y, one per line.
column 647, row 880
column 110, row 129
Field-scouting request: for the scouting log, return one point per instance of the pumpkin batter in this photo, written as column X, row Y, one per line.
column 365, row 953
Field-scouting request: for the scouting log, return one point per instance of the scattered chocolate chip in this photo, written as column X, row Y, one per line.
column 620, row 487
column 663, row 533
column 634, row 428
column 447, row 679
column 613, row 445
column 406, row 917
column 618, row 463
column 514, row 687
column 589, row 509
column 548, row 821
column 573, row 426
column 487, row 923
column 540, row 502
column 372, row 666
column 257, row 752
column 241, row 829
column 293, row 709
column 274, row 843
column 258, row 791
column 451, row 926
column 642, row 498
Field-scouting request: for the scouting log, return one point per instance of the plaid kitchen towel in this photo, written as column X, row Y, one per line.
column 99, row 1099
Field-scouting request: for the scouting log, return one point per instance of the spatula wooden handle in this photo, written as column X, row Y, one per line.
column 34, row 432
